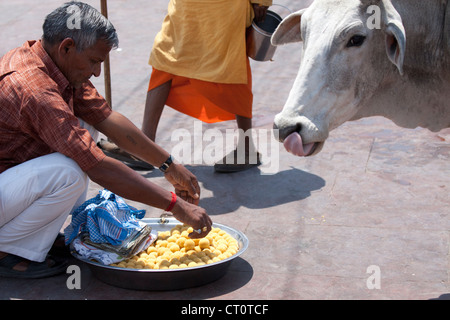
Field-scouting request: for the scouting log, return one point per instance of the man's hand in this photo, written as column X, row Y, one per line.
column 185, row 183
column 260, row 12
column 194, row 216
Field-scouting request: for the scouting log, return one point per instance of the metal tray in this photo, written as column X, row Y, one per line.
column 167, row 279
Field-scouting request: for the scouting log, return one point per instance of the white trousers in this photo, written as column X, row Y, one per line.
column 36, row 197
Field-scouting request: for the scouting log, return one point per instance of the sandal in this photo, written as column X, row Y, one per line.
column 11, row 266
column 237, row 164
column 113, row 151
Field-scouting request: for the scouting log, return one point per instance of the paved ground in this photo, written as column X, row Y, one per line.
column 377, row 195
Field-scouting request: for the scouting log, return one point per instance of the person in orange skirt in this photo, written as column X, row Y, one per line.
column 200, row 68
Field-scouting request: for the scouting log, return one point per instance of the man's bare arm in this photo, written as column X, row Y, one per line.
column 129, row 138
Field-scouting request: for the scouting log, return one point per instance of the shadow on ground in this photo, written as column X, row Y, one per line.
column 253, row 190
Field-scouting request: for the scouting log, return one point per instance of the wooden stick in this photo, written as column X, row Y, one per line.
column 106, row 66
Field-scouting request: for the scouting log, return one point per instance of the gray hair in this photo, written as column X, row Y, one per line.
column 80, row 22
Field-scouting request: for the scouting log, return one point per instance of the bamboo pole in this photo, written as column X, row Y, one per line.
column 106, row 66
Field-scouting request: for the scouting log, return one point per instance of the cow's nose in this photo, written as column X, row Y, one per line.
column 285, row 131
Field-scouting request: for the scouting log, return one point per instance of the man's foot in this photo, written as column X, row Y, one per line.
column 235, row 162
column 113, row 151
column 13, row 266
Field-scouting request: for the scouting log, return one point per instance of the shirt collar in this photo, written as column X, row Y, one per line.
column 52, row 69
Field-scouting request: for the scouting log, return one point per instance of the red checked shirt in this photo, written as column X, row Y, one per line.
column 39, row 110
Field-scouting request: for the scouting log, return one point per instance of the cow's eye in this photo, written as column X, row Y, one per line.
column 356, row 41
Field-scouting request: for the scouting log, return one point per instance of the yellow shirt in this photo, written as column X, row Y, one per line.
column 205, row 39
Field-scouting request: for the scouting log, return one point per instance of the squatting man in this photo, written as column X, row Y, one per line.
column 49, row 114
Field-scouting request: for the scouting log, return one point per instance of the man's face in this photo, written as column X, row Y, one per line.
column 78, row 67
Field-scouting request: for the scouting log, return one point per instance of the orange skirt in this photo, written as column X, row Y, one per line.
column 209, row 102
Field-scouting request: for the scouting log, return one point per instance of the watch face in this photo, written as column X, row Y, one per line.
column 166, row 164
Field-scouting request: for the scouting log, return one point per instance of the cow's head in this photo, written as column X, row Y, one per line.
column 349, row 47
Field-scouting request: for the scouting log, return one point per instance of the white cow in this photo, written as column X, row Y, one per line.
column 363, row 58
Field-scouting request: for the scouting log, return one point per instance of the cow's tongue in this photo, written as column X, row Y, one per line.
column 294, row 144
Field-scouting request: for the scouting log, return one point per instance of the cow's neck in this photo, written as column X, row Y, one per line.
column 410, row 104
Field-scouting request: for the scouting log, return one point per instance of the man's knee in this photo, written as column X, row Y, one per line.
column 69, row 173
column 52, row 184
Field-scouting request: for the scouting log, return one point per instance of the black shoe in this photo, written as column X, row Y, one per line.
column 59, row 248
column 238, row 163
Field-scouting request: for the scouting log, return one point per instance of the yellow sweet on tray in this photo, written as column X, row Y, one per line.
column 174, row 249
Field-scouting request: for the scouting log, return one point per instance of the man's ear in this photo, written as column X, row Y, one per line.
column 289, row 29
column 66, row 46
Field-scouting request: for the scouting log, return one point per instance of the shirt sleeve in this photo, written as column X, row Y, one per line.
column 47, row 117
column 89, row 105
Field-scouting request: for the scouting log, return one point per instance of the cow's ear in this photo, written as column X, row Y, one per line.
column 395, row 35
column 288, row 30
column 395, row 45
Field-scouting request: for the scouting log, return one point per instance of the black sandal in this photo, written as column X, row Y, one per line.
column 225, row 167
column 112, row 150
column 34, row 270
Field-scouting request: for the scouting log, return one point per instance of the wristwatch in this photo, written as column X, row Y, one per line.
column 166, row 164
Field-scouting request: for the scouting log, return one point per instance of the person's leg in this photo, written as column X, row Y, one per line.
column 35, row 199
column 245, row 124
column 154, row 105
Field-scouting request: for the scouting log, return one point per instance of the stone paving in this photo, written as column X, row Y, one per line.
column 374, row 201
